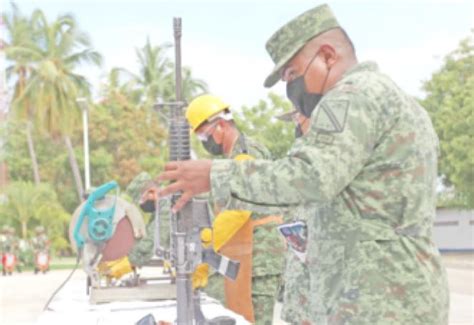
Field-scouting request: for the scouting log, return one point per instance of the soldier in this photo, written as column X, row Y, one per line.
column 365, row 172
column 40, row 241
column 237, row 231
column 142, row 189
column 3, row 243
column 40, row 244
column 3, row 237
column 10, row 245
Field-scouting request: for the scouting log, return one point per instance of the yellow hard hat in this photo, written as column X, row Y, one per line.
column 202, row 108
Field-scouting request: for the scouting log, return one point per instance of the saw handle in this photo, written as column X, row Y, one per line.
column 97, row 226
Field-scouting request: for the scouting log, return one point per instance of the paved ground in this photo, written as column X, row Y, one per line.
column 22, row 296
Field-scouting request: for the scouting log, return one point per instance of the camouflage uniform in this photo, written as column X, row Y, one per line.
column 40, row 242
column 10, row 244
column 3, row 242
column 3, row 238
column 366, row 175
column 268, row 254
column 142, row 251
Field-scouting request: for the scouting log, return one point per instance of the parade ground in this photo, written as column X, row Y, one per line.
column 22, row 296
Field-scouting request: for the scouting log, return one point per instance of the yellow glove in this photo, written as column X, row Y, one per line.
column 226, row 225
column 200, row 276
column 116, row 268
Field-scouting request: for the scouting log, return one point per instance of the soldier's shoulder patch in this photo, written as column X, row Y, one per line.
column 331, row 116
column 324, row 138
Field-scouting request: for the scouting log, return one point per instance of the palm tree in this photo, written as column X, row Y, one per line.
column 156, row 77
column 121, row 90
column 52, row 85
column 154, row 67
column 192, row 87
column 24, row 199
column 20, row 51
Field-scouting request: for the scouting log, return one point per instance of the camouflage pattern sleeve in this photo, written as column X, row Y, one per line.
column 344, row 131
column 142, row 251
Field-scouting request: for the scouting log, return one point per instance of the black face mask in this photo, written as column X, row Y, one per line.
column 148, row 206
column 298, row 131
column 212, row 147
column 302, row 100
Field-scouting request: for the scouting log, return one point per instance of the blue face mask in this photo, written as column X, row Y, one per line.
column 302, row 100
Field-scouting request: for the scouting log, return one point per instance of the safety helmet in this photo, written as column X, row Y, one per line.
column 202, row 108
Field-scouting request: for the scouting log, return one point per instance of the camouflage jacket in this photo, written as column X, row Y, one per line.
column 10, row 244
column 40, row 243
column 268, row 245
column 366, row 174
column 142, row 251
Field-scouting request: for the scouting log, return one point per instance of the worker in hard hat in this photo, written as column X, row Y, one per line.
column 254, row 242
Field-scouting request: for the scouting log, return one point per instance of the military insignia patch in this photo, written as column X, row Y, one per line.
column 331, row 116
column 325, row 138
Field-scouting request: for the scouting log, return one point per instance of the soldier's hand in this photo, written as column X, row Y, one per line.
column 190, row 177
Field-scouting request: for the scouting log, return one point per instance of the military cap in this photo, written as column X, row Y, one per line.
column 292, row 36
column 137, row 185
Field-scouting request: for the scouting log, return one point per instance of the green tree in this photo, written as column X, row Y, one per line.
column 27, row 203
column 19, row 45
column 154, row 67
column 156, row 76
column 52, row 87
column 259, row 122
column 137, row 137
column 450, row 103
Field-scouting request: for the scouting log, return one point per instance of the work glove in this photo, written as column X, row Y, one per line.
column 116, row 268
column 201, row 273
column 200, row 276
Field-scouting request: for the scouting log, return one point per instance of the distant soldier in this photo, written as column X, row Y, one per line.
column 3, row 241
column 3, row 237
column 40, row 242
column 9, row 250
column 11, row 241
column 40, row 245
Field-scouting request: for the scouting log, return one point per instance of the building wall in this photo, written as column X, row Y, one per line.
column 454, row 230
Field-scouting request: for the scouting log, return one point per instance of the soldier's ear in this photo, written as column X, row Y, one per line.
column 329, row 54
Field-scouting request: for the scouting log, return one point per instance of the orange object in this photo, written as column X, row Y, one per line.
column 238, row 293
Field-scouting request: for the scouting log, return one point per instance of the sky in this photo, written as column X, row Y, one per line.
column 223, row 40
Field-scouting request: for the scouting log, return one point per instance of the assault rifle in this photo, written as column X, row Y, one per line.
column 186, row 249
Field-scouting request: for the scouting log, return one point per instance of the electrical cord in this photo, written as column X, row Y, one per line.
column 79, row 255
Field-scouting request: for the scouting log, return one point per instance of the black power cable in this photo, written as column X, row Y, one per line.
column 79, row 255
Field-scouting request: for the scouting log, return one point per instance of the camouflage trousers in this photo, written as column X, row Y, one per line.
column 264, row 292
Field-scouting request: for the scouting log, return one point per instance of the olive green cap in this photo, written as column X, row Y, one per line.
column 291, row 37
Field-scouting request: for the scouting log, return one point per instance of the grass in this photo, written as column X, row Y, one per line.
column 57, row 263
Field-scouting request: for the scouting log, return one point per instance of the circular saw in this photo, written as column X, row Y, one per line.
column 104, row 228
